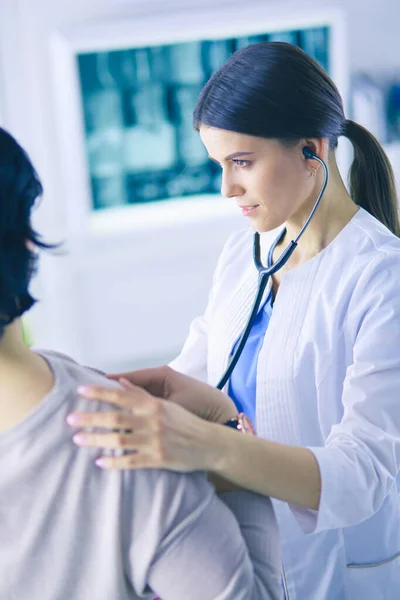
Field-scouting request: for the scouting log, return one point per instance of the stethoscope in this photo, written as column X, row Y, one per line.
column 264, row 273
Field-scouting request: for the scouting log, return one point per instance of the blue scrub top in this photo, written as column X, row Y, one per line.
column 242, row 384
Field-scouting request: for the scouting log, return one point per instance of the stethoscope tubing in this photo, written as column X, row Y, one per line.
column 264, row 274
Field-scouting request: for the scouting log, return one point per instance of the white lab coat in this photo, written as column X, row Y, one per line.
column 328, row 379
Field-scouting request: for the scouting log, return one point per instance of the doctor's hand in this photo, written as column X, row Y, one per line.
column 153, row 432
column 197, row 397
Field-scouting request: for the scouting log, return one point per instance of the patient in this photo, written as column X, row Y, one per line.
column 70, row 531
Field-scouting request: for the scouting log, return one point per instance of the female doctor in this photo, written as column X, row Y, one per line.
column 320, row 373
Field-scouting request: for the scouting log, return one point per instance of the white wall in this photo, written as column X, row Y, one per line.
column 63, row 319
column 373, row 27
column 126, row 299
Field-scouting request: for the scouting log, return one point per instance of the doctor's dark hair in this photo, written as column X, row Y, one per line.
column 19, row 189
column 275, row 90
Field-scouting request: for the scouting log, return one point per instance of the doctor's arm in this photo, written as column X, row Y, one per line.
column 173, row 421
column 361, row 456
column 347, row 480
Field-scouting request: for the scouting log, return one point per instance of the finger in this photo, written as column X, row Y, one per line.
column 126, row 384
column 135, row 398
column 117, row 376
column 105, row 420
column 115, row 441
column 152, row 380
column 137, row 460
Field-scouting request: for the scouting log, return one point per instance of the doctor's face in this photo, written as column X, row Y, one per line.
column 270, row 182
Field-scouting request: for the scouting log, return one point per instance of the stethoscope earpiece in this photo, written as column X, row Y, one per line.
column 308, row 153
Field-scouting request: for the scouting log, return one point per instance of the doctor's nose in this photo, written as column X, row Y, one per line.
column 229, row 188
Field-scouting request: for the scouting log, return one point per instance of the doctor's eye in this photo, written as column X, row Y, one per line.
column 241, row 163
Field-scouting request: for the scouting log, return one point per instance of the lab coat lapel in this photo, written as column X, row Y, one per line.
column 230, row 321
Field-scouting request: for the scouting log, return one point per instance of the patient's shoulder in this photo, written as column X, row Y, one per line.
column 53, row 355
column 69, row 375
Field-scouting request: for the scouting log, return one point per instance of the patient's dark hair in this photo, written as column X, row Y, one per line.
column 275, row 90
column 19, row 189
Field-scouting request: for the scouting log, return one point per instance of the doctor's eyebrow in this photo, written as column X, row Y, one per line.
column 232, row 156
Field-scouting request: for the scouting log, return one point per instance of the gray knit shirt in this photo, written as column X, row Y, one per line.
column 70, row 531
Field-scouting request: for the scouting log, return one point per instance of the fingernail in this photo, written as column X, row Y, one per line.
column 101, row 462
column 83, row 389
column 73, row 420
column 79, row 438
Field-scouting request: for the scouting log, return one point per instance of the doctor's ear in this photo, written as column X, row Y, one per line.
column 308, row 153
column 314, row 147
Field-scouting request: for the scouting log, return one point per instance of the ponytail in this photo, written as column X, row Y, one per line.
column 372, row 183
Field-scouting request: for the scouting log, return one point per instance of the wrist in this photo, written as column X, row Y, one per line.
column 226, row 444
column 221, row 443
column 218, row 446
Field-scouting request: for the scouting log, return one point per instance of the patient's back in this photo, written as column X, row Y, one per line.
column 67, row 529
column 70, row 531
column 61, row 518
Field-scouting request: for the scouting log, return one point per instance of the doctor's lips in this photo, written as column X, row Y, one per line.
column 248, row 210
